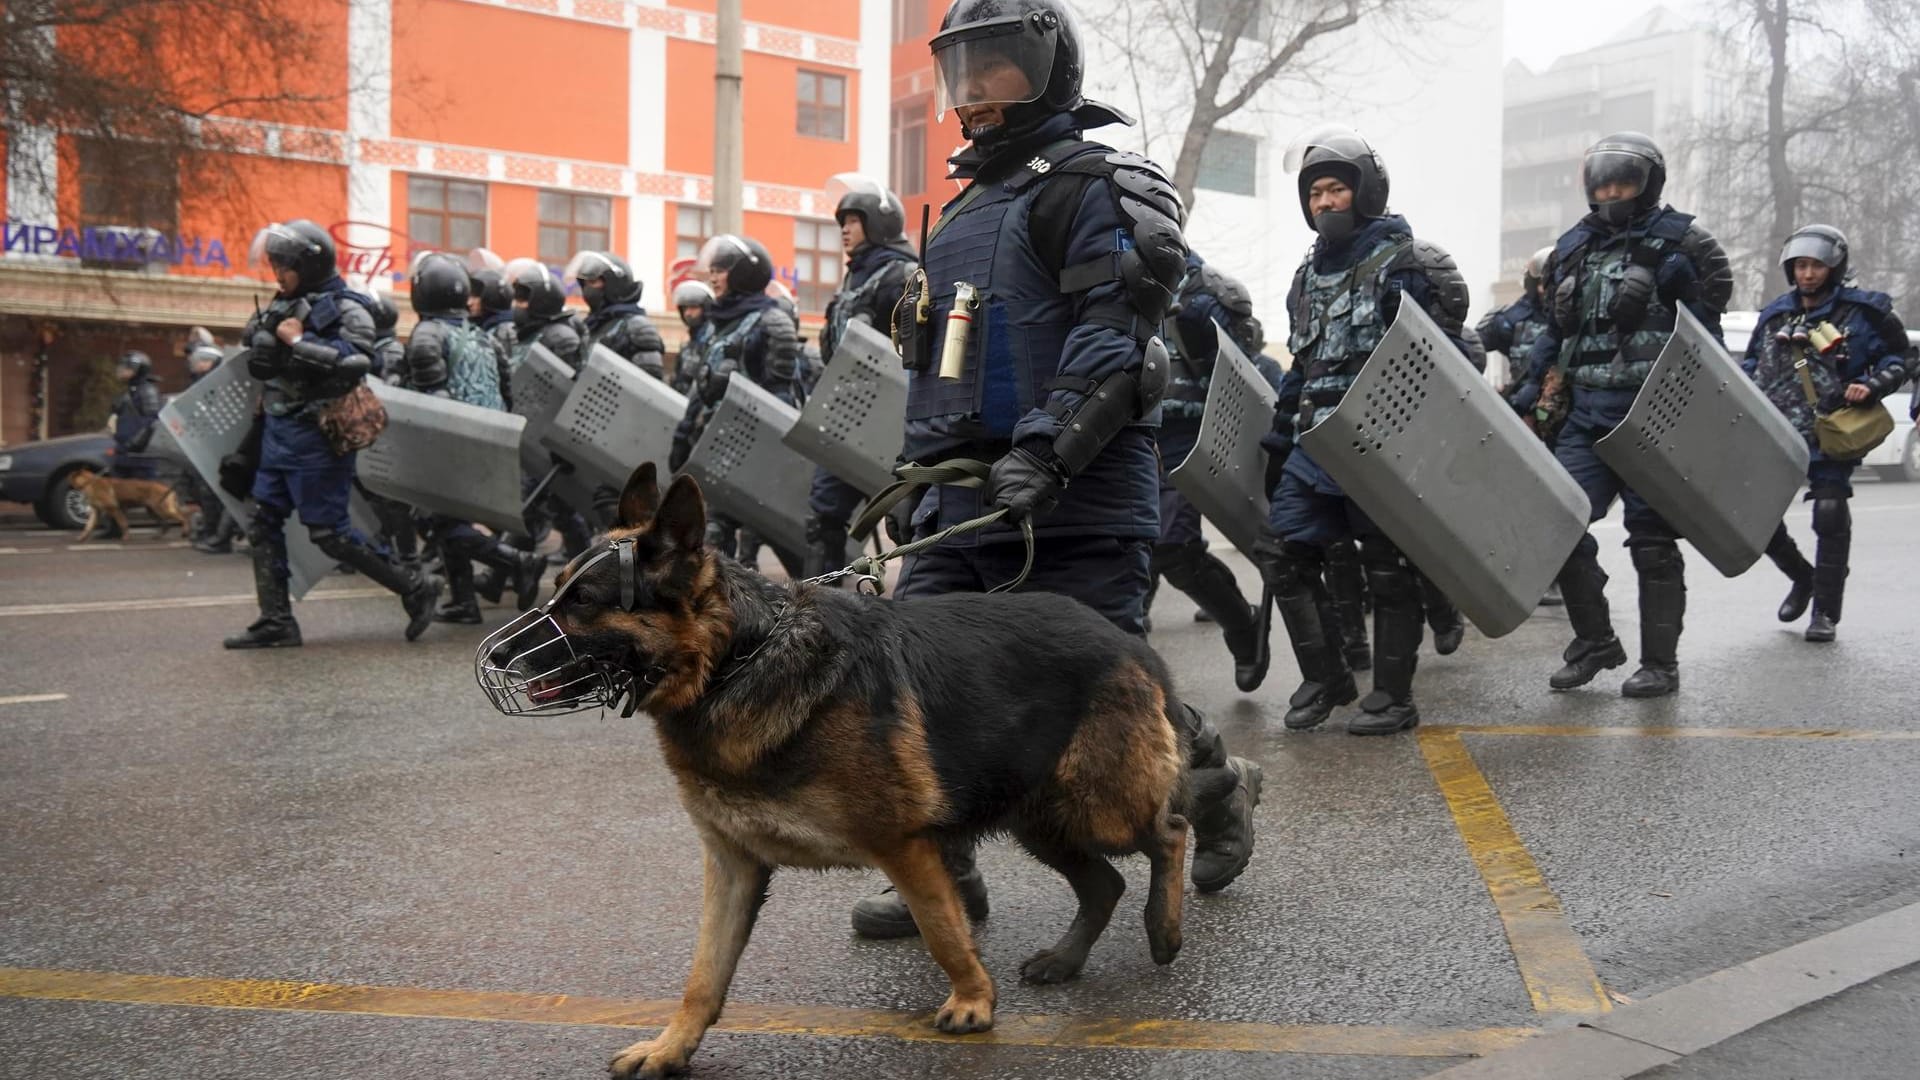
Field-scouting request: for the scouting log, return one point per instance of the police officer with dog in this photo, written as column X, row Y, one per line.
column 1822, row 347
column 1364, row 263
column 1031, row 340
column 879, row 258
column 1613, row 286
column 311, row 347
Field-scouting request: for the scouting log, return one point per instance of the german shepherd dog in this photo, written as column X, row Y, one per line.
column 107, row 494
column 813, row 727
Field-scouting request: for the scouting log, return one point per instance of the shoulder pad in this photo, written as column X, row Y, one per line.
column 1672, row 225
column 1710, row 263
column 1137, row 178
column 1878, row 301
column 1451, row 294
column 1232, row 295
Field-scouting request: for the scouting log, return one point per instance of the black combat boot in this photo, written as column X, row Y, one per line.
column 1397, row 631
column 1786, row 555
column 1829, row 585
column 523, row 568
column 462, row 607
column 1326, row 683
column 1225, row 791
column 1663, row 607
column 826, row 547
column 885, row 913
column 418, row 591
column 1449, row 630
column 1201, row 575
column 275, row 628
column 1347, row 585
column 1594, row 649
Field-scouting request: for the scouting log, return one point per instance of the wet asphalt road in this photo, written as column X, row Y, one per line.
column 353, row 813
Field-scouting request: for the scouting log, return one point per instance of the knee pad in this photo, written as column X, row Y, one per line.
column 1389, row 575
column 1654, row 559
column 1176, row 562
column 1832, row 517
column 266, row 529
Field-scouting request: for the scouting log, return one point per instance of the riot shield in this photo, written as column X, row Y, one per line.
column 1444, row 468
column 208, row 421
column 854, row 422
column 615, row 417
column 1226, row 474
column 447, row 457
column 1708, row 451
column 541, row 384
column 748, row 472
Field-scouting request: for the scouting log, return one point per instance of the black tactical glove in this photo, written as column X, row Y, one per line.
column 682, row 450
column 713, row 386
column 1630, row 304
column 1024, row 485
column 1525, row 398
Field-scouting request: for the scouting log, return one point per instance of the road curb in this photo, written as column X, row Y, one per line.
column 1687, row 1019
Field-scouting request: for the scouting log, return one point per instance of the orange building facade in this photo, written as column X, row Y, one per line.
column 530, row 127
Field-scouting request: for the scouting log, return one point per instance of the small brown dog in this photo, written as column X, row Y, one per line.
column 106, row 495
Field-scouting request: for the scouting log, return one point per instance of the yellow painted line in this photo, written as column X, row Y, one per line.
column 1552, row 962
column 1833, row 734
column 31, row 699
column 1072, row 1032
column 169, row 603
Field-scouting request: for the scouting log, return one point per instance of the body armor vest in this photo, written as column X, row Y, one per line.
column 1596, row 355
column 1338, row 323
column 1776, row 372
column 853, row 299
column 1525, row 332
column 1017, row 335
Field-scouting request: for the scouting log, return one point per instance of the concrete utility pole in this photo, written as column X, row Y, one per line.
column 728, row 135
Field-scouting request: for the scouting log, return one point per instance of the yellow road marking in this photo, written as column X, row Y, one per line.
column 31, row 699
column 1072, row 1032
column 170, row 602
column 1834, row 734
column 1552, row 962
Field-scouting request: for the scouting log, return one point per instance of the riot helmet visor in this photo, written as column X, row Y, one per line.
column 1003, row 61
column 277, row 247
column 1822, row 248
column 1620, row 175
column 585, row 266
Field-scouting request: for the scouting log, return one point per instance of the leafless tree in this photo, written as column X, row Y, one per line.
column 1208, row 60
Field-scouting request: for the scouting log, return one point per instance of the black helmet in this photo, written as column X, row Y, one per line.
column 748, row 267
column 1626, row 156
column 385, row 315
column 1822, row 242
column 880, row 212
column 531, row 281
column 491, row 287
column 1536, row 270
column 137, row 362
column 617, row 285
column 439, row 285
column 1036, row 36
column 1344, row 154
column 300, row 246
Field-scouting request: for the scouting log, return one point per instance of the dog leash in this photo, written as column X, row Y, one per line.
column 957, row 472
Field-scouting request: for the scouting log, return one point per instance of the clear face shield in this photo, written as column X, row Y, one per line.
column 1335, row 136
column 585, row 266
column 717, row 257
column 482, row 259
column 276, row 248
column 1623, row 172
column 1004, row 61
column 531, row 667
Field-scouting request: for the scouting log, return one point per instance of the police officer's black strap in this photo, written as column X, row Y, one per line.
column 954, row 472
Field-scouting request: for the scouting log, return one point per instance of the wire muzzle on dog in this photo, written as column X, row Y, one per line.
column 531, row 667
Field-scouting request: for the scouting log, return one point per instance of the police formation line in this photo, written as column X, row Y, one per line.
column 1055, row 324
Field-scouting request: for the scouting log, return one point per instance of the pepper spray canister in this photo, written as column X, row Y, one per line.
column 953, row 351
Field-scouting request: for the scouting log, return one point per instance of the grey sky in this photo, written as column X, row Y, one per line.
column 1539, row 31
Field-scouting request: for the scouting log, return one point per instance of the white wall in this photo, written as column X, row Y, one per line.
column 1433, row 114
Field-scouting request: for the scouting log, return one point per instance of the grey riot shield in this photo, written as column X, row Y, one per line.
column 615, row 417
column 208, row 421
column 541, row 384
column 854, row 422
column 746, row 469
column 1707, row 450
column 1444, row 468
column 1226, row 474
column 447, row 457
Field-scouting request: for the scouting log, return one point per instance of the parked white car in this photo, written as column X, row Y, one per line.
column 1896, row 459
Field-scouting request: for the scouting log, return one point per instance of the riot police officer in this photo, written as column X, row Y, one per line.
column 448, row 356
column 1614, row 284
column 751, row 334
column 691, row 299
column 539, row 312
column 134, row 411
column 1822, row 346
column 490, row 299
column 214, row 527
column 1207, row 299
column 879, row 258
column 1363, row 265
column 311, row 346
column 614, row 315
column 1512, row 330
column 1066, row 255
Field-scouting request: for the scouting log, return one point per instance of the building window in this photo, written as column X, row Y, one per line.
column 129, row 191
column 816, row 263
column 446, row 215
column 823, row 105
column 1628, row 112
column 691, row 227
column 908, row 175
column 570, row 223
column 909, row 20
column 1230, row 163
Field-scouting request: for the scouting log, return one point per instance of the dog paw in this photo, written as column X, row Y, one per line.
column 649, row 1060
column 960, row 1016
column 1164, row 946
column 1050, row 966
